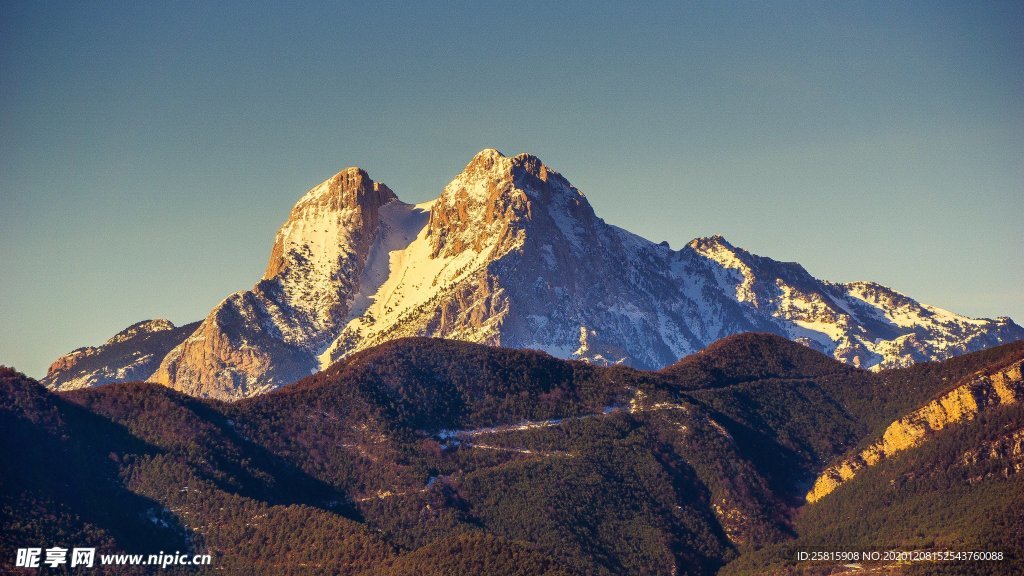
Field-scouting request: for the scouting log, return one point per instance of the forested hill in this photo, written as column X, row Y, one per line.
column 427, row 456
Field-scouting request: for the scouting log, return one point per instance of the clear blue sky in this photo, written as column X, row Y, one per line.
column 149, row 150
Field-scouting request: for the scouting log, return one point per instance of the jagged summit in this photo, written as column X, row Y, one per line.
column 706, row 242
column 500, row 173
column 485, row 155
column 512, row 254
column 497, row 197
column 350, row 187
column 146, row 326
column 326, row 217
column 489, row 156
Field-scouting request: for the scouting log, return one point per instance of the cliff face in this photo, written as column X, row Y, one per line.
column 980, row 392
column 270, row 335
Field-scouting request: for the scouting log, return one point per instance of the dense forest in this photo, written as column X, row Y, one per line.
column 427, row 456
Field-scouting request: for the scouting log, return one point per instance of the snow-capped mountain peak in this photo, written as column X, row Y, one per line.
column 512, row 254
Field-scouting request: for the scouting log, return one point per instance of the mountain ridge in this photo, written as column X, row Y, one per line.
column 511, row 254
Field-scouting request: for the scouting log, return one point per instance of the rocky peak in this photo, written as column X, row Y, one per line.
column 490, row 163
column 874, row 293
column 144, row 327
column 722, row 252
column 350, row 188
column 484, row 160
column 263, row 337
column 710, row 246
column 495, row 197
column 342, row 209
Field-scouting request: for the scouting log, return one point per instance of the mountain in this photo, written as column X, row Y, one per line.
column 131, row 354
column 426, row 456
column 511, row 254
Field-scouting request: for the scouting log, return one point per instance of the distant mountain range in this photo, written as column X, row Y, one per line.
column 510, row 254
column 432, row 457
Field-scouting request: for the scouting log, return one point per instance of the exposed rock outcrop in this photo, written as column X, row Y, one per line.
column 978, row 393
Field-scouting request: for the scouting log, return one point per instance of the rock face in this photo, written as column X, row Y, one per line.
column 1008, row 451
column 261, row 338
column 511, row 254
column 980, row 392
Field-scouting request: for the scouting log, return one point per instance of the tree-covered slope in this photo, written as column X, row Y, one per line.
column 436, row 457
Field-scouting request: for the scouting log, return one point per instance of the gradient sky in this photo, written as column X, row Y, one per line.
column 149, row 151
